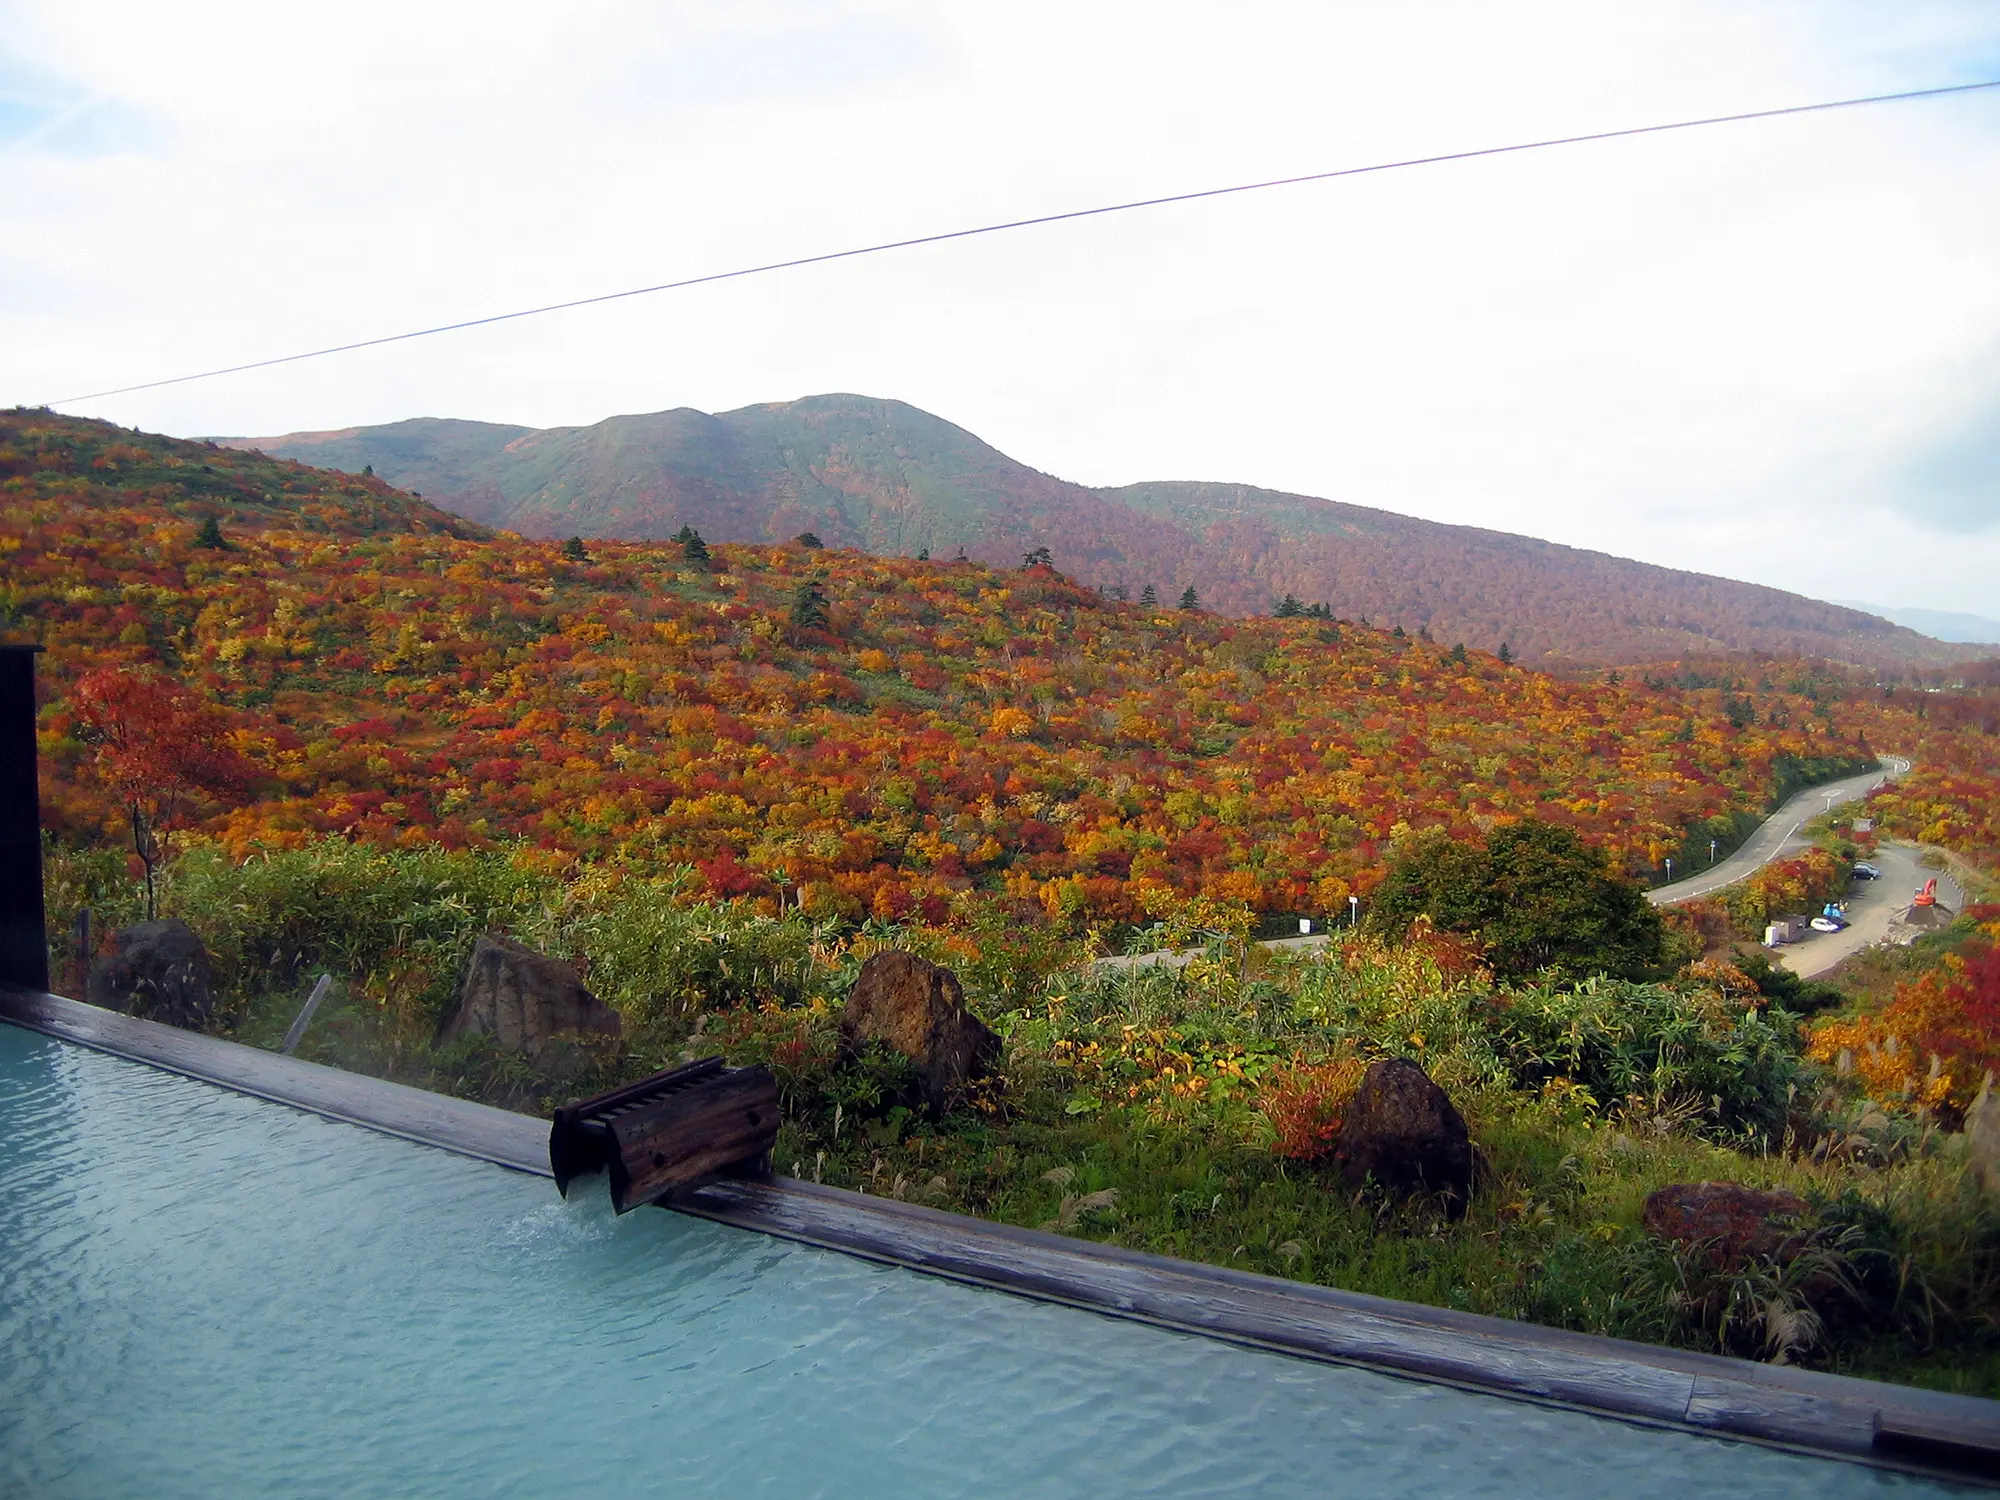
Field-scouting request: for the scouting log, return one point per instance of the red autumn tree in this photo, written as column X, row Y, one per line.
column 161, row 752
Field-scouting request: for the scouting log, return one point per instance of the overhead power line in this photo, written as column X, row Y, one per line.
column 1058, row 218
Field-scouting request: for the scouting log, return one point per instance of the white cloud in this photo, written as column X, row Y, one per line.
column 1752, row 350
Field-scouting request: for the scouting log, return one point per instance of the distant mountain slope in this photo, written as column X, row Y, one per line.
column 1944, row 624
column 887, row 478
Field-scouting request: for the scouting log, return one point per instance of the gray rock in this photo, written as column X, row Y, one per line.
column 1403, row 1133
column 158, row 970
column 919, row 1009
column 529, row 1003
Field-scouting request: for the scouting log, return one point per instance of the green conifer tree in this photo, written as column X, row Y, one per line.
column 1149, row 597
column 209, row 534
column 809, row 604
column 693, row 548
column 573, row 551
column 1190, row 599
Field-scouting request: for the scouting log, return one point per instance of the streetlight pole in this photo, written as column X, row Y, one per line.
column 1711, row 853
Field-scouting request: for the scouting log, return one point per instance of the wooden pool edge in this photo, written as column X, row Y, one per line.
column 1914, row 1431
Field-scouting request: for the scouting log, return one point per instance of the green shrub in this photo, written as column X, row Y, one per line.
column 1536, row 896
column 77, row 880
column 1653, row 1042
column 1786, row 990
column 1403, row 1001
column 659, row 959
column 400, row 924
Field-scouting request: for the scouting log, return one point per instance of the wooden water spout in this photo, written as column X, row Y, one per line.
column 672, row 1130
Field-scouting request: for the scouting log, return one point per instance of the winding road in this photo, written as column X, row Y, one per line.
column 1871, row 905
column 1779, row 835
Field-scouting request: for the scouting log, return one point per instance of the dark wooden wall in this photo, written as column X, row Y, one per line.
column 24, row 943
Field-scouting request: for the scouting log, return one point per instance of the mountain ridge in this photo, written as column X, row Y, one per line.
column 887, row 477
column 1939, row 624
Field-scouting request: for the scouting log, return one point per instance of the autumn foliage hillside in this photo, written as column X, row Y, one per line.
column 890, row 479
column 954, row 732
column 56, row 461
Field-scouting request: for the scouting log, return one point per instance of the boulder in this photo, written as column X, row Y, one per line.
column 1728, row 1221
column 919, row 1009
column 529, row 1003
column 158, row 970
column 1403, row 1133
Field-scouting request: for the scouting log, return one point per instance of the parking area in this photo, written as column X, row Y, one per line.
column 1871, row 906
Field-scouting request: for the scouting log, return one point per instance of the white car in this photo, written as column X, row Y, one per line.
column 1827, row 924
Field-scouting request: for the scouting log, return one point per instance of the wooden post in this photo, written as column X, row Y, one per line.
column 24, row 938
column 296, row 1032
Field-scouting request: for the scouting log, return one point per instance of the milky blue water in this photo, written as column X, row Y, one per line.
column 205, row 1295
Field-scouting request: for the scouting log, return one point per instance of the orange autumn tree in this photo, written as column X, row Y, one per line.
column 1935, row 1044
column 161, row 754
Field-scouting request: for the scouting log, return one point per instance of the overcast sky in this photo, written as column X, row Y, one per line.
column 1770, row 351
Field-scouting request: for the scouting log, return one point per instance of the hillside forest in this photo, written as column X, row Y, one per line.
column 886, row 478
column 718, row 776
column 927, row 731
